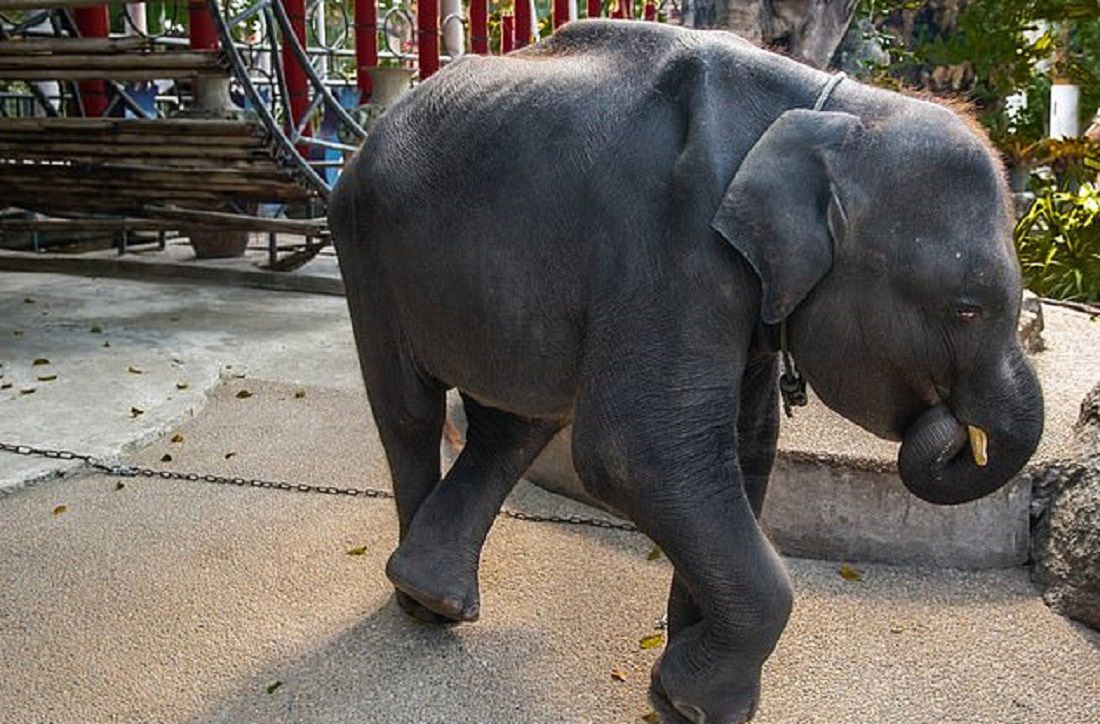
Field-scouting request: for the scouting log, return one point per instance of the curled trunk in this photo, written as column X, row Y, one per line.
column 977, row 441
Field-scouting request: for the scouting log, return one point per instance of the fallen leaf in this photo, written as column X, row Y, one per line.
column 299, row 394
column 357, row 551
column 166, row 458
column 27, row 391
column 654, row 553
column 230, row 454
column 120, row 485
column 618, row 675
column 60, row 509
column 244, row 395
column 17, row 332
column 135, row 411
column 273, row 686
column 135, row 370
column 651, row 718
column 107, row 343
column 652, row 641
column 174, row 318
column 849, row 574
column 177, row 438
column 40, row 361
column 95, row 329
column 897, row 628
column 5, row 386
column 47, row 378
column 182, row 385
column 28, row 300
column 177, row 361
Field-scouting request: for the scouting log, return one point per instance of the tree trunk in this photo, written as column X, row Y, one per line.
column 808, row 30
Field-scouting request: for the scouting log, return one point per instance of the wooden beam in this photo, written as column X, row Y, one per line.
column 124, row 61
column 107, row 74
column 304, row 227
column 136, row 125
column 27, row 46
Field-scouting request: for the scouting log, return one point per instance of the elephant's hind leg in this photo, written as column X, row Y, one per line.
column 437, row 562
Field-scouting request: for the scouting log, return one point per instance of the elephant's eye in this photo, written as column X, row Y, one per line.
column 967, row 311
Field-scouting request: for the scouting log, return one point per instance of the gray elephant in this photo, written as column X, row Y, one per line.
column 617, row 228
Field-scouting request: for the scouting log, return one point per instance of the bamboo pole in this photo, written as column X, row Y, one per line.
column 6, row 5
column 65, row 46
column 82, row 74
column 90, row 224
column 138, row 125
column 129, row 139
column 124, row 61
column 147, row 173
column 305, row 227
column 21, row 149
column 238, row 186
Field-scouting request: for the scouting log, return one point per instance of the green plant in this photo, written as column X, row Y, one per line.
column 1058, row 242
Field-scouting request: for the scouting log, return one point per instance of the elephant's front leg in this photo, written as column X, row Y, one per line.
column 675, row 472
column 757, row 434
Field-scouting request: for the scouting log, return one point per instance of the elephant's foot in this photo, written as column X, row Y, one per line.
column 435, row 580
column 413, row 608
column 682, row 694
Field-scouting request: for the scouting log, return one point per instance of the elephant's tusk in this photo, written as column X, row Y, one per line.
column 979, row 445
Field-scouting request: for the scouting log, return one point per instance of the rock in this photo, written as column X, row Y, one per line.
column 1065, row 545
column 1031, row 323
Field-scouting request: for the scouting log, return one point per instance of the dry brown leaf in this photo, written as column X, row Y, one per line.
column 848, row 573
column 60, row 509
column 47, row 378
column 244, row 395
column 166, row 458
column 136, row 411
column 40, row 361
column 135, row 370
column 618, row 675
column 357, row 551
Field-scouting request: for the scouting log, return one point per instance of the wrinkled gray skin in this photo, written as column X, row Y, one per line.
column 605, row 229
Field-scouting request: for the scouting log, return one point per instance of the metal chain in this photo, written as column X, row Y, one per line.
column 135, row 471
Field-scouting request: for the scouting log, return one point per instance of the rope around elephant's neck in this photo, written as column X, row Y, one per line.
column 792, row 385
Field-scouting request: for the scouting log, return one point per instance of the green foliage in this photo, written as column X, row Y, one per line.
column 1058, row 242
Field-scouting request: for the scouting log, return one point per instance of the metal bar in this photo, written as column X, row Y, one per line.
column 298, row 51
column 311, row 176
column 507, row 34
column 297, row 87
column 92, row 22
column 523, row 23
column 479, row 26
column 272, row 248
column 427, row 37
column 366, row 45
column 329, row 144
column 561, row 13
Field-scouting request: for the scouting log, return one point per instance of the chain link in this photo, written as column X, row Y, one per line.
column 135, row 471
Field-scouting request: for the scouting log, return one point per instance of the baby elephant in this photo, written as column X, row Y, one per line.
column 610, row 229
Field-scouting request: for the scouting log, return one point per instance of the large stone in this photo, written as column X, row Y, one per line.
column 1066, row 536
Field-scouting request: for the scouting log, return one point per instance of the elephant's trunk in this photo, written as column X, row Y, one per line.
column 977, row 441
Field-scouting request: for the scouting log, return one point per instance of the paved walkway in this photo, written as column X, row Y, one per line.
column 172, row 601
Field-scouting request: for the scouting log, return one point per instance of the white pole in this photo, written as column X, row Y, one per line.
column 454, row 34
column 572, row 10
column 137, row 24
column 1065, row 101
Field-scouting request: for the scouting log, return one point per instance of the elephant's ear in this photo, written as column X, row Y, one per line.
column 783, row 206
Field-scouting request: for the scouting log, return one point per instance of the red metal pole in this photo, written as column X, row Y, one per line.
column 366, row 45
column 202, row 33
column 507, row 34
column 93, row 22
column 479, row 26
column 297, row 86
column 561, row 13
column 650, row 12
column 427, row 37
column 595, row 7
column 523, row 23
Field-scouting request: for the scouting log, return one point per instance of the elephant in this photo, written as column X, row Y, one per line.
column 625, row 227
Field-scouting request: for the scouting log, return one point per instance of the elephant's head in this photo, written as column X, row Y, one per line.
column 887, row 247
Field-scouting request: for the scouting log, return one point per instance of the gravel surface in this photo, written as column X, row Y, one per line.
column 170, row 601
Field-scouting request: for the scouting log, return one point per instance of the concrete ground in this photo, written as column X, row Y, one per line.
column 176, row 601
